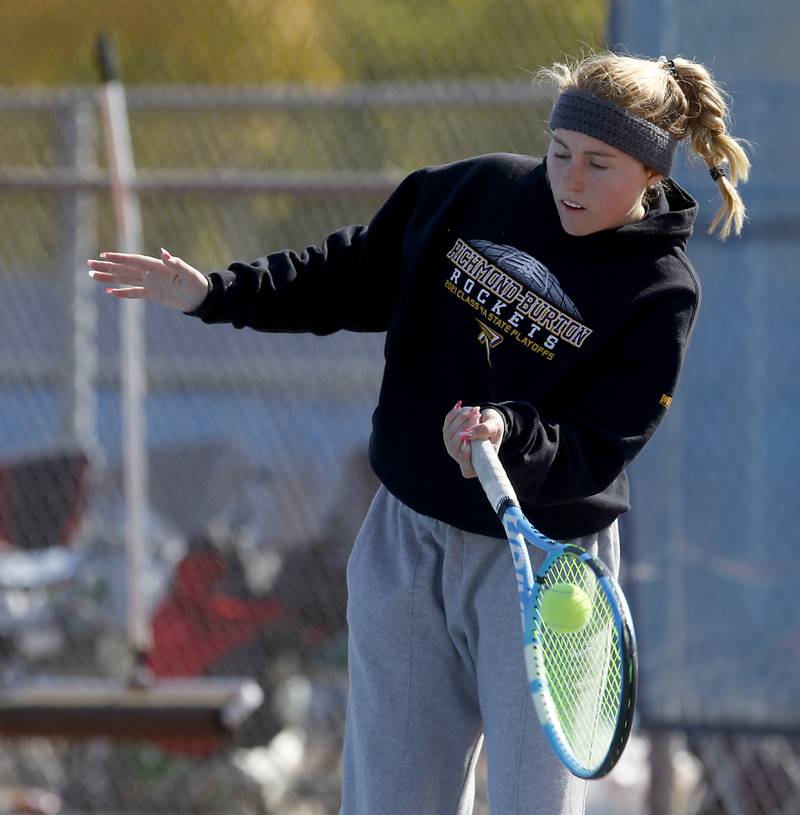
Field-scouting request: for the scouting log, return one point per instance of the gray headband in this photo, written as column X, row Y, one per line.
column 603, row 120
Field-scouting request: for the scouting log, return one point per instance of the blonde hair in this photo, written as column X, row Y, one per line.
column 679, row 96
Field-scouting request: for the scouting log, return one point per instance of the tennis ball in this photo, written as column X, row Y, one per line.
column 565, row 607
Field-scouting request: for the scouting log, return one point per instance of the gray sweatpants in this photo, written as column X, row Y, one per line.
column 436, row 667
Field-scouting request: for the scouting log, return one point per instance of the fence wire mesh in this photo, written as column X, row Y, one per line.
column 254, row 127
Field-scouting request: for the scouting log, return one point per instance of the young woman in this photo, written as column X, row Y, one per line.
column 544, row 304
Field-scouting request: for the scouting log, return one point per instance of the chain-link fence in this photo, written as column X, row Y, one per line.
column 711, row 537
column 240, row 424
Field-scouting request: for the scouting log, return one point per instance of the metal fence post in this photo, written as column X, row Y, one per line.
column 659, row 792
column 78, row 218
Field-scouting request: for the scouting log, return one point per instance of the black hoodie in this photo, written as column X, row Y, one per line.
column 577, row 341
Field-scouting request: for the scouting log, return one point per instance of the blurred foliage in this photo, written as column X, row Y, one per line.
column 321, row 43
column 48, row 42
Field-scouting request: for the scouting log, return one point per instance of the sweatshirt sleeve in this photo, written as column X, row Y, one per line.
column 574, row 448
column 350, row 281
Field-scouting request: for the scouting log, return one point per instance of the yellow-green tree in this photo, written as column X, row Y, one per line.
column 263, row 42
column 314, row 41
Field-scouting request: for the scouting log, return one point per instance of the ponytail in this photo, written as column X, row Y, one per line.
column 706, row 127
column 679, row 96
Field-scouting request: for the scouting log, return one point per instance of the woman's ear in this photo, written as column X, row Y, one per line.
column 653, row 177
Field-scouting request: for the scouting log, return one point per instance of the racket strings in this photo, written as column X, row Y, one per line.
column 582, row 669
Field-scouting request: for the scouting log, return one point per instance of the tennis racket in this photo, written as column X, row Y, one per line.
column 582, row 676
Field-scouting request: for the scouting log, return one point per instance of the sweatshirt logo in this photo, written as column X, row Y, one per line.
column 488, row 337
column 527, row 270
column 516, row 295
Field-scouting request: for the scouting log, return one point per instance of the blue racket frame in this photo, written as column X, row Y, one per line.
column 519, row 531
column 529, row 588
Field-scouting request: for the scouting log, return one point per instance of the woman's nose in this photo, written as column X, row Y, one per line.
column 574, row 176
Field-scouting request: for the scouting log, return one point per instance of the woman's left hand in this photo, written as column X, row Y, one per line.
column 464, row 424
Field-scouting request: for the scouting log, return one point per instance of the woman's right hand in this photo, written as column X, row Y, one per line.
column 463, row 425
column 167, row 280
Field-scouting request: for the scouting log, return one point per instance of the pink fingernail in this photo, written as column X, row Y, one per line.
column 166, row 255
column 465, row 435
column 458, row 405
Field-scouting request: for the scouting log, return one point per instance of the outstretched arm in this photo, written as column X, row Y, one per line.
column 350, row 281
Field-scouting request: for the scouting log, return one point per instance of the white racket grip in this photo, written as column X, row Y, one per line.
column 492, row 475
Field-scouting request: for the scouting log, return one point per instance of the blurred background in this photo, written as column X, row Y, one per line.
column 260, row 125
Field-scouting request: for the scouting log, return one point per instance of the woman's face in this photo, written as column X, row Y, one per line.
column 595, row 186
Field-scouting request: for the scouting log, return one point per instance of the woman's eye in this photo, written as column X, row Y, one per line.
column 598, row 166
column 560, row 155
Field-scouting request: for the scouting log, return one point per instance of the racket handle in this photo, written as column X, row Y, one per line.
column 493, row 476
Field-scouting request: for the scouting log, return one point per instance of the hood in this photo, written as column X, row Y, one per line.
column 671, row 216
